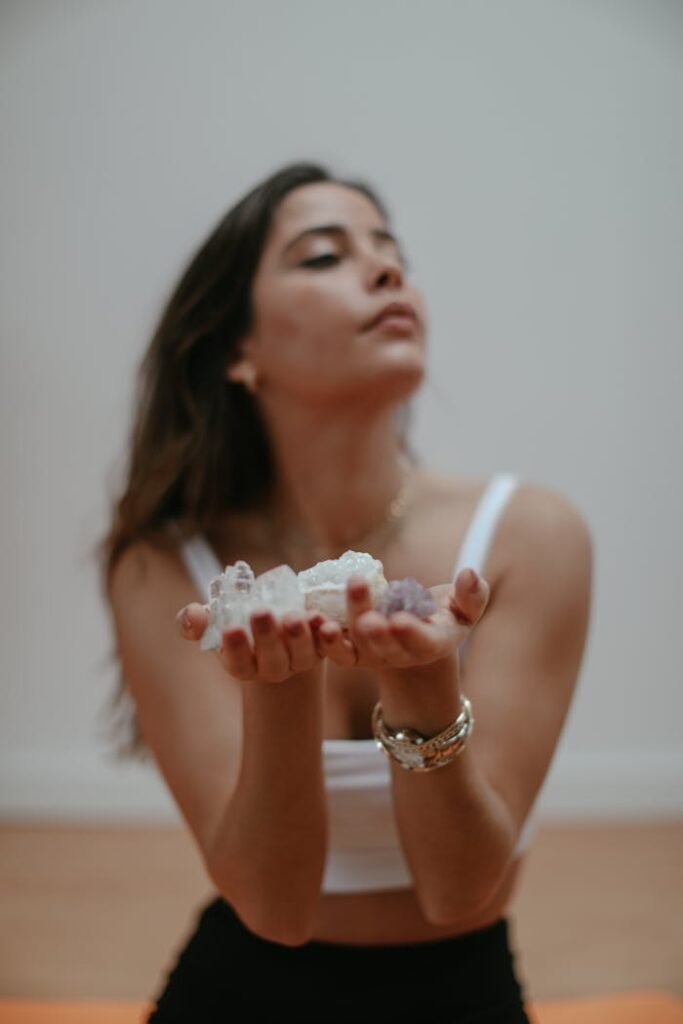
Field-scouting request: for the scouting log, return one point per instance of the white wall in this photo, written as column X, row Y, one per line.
column 533, row 157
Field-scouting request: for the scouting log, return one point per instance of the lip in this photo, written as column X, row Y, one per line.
column 399, row 311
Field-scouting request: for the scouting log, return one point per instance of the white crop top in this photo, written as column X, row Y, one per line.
column 364, row 851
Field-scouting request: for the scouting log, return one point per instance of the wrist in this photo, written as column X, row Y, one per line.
column 296, row 704
column 416, row 752
column 425, row 697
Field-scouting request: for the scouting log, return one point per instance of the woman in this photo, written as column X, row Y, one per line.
column 268, row 430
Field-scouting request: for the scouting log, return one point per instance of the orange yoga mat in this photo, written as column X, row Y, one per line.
column 620, row 1008
column 626, row 1008
column 623, row 1008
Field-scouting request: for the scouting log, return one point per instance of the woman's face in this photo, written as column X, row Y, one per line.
column 315, row 291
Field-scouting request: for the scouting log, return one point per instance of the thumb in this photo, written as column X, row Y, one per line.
column 469, row 597
column 191, row 620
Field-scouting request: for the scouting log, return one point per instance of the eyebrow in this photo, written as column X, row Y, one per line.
column 380, row 234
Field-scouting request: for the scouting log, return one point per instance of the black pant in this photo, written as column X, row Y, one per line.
column 226, row 973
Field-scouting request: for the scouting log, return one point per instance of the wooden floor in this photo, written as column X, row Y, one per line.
column 102, row 911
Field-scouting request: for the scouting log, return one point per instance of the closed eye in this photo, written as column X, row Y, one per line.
column 316, row 260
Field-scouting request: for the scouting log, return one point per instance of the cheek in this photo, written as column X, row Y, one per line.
column 305, row 323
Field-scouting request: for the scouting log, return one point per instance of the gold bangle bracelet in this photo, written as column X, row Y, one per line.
column 417, row 753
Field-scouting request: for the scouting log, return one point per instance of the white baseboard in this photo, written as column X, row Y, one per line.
column 81, row 786
column 614, row 785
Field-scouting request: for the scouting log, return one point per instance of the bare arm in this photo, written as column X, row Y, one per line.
column 268, row 851
column 241, row 756
column 456, row 831
column 459, row 824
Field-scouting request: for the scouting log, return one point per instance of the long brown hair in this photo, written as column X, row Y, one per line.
column 197, row 445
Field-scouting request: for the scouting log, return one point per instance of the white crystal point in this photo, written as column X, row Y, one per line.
column 278, row 589
column 228, row 597
column 239, row 577
column 211, row 637
column 324, row 585
column 236, row 593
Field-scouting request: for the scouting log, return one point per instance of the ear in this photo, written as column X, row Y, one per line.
column 243, row 372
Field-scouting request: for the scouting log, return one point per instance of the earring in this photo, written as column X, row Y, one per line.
column 251, row 380
column 247, row 375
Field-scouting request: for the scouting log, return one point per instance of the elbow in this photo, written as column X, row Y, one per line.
column 287, row 924
column 287, row 918
column 455, row 907
column 453, row 898
column 285, row 931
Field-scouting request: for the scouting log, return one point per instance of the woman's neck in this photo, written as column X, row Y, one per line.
column 336, row 483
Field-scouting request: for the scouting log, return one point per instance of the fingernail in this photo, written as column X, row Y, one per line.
column 461, row 619
column 187, row 621
column 474, row 585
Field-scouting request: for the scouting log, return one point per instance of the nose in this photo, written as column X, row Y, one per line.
column 385, row 271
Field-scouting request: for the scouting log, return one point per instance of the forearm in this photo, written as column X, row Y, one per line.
column 455, row 829
column 269, row 851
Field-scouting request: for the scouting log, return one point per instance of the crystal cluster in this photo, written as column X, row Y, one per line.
column 407, row 595
column 236, row 593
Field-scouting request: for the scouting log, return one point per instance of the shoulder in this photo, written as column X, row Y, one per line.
column 133, row 567
column 538, row 526
column 146, row 563
column 542, row 525
column 533, row 506
column 546, row 574
column 147, row 586
column 529, row 503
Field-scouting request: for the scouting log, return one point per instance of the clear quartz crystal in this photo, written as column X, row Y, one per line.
column 324, row 585
column 278, row 589
column 236, row 593
column 242, row 578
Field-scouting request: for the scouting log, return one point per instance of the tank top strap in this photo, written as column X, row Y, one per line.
column 201, row 563
column 479, row 535
column 482, row 527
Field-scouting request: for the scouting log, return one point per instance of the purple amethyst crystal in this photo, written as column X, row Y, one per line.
column 407, row 595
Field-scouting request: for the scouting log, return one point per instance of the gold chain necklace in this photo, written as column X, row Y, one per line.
column 379, row 534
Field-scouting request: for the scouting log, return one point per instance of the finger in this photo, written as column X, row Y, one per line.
column 272, row 658
column 358, row 600
column 236, row 654
column 359, row 605
column 191, row 620
column 376, row 636
column 299, row 642
column 469, row 597
column 315, row 621
column 424, row 640
column 336, row 646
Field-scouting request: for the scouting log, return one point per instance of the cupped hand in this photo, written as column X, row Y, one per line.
column 402, row 640
column 280, row 648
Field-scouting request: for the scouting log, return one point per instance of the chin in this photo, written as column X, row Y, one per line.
column 402, row 359
column 398, row 379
